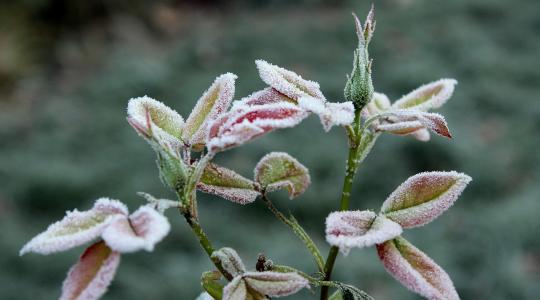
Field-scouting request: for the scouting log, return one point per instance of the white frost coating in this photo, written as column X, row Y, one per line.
column 416, row 271
column 275, row 284
column 247, row 123
column 90, row 277
column 429, row 96
column 407, row 121
column 142, row 230
column 153, row 118
column 76, row 228
column 278, row 170
column 266, row 96
column 331, row 114
column 204, row 296
column 423, row 197
column 288, row 82
column 421, row 135
column 230, row 260
column 401, row 128
column 378, row 104
column 235, row 290
column 359, row 229
column 236, row 195
column 214, row 102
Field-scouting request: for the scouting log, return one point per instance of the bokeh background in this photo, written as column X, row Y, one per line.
column 67, row 69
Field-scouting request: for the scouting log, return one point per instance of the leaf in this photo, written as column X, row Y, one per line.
column 423, row 197
column 228, row 184
column 349, row 229
column 378, row 104
column 153, row 119
column 287, row 82
column 349, row 292
column 275, row 284
column 415, row 270
column 330, row 114
column 278, row 170
column 429, row 96
column 89, row 278
column 214, row 102
column 209, row 282
column 406, row 121
column 235, row 290
column 230, row 261
column 76, row 228
column 242, row 125
column 142, row 230
column 266, row 96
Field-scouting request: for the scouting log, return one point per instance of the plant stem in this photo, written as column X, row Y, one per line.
column 352, row 164
column 298, row 230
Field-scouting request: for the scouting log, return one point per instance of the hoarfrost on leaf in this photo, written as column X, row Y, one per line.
column 90, row 277
column 429, row 96
column 331, row 114
column 76, row 228
column 359, row 229
column 408, row 121
column 415, row 270
column 278, row 170
column 214, row 102
column 230, row 260
column 423, row 197
column 275, row 284
column 266, row 96
column 235, row 290
column 227, row 184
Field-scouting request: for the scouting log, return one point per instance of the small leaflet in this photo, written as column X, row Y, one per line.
column 429, row 96
column 278, row 170
column 275, row 284
column 227, row 184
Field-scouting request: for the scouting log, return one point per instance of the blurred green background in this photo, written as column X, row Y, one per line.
column 67, row 69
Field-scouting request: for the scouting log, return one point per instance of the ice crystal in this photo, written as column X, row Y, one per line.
column 415, row 270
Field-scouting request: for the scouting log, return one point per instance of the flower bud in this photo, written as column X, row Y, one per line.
column 172, row 171
column 359, row 87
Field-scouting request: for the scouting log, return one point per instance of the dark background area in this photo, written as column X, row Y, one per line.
column 67, row 69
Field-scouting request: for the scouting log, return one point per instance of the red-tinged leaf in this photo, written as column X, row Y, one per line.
column 76, row 228
column 407, row 121
column 429, row 96
column 267, row 96
column 242, row 125
column 235, row 290
column 275, row 284
column 287, row 82
column 423, row 197
column 227, row 184
column 90, row 277
column 415, row 270
column 142, row 230
column 155, row 120
column 359, row 229
column 214, row 102
column 230, row 260
column 278, row 170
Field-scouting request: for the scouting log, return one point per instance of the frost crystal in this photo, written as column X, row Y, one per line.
column 153, row 119
column 280, row 170
column 349, row 229
column 287, row 82
column 89, row 278
column 423, row 197
column 429, row 96
column 227, row 184
column 142, row 230
column 214, row 102
column 331, row 114
column 76, row 228
column 415, row 270
column 246, row 123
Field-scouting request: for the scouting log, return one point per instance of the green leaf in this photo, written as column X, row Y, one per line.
column 227, row 184
column 279, row 170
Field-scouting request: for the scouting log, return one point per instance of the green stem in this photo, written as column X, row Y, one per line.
column 298, row 230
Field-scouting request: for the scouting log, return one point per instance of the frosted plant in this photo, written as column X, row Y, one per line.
column 185, row 151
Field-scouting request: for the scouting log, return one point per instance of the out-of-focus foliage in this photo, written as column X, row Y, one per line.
column 67, row 69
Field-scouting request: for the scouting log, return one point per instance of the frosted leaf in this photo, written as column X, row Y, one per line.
column 275, row 284
column 350, row 229
column 331, row 114
column 228, row 184
column 415, row 270
column 423, row 197
column 153, row 119
column 429, row 96
column 235, row 290
column 287, row 82
column 214, row 102
column 90, row 277
column 267, row 96
column 204, row 296
column 421, row 135
column 230, row 261
column 378, row 104
column 407, row 121
column 278, row 170
column 142, row 230
column 76, row 228
column 401, row 128
column 242, row 125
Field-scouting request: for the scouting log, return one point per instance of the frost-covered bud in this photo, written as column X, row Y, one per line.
column 173, row 172
column 359, row 87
